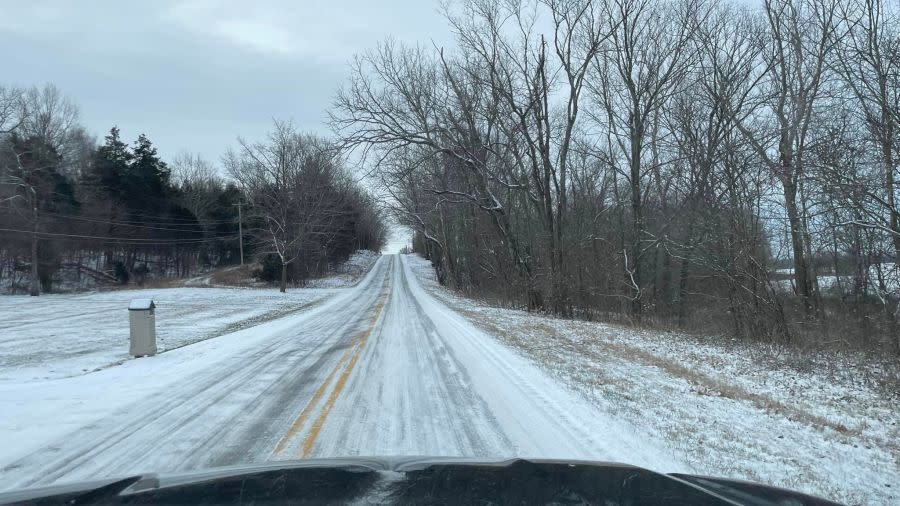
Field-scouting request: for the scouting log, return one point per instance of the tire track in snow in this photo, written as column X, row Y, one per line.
column 408, row 396
column 219, row 415
column 345, row 365
column 382, row 369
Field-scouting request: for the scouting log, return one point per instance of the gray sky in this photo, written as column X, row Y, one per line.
column 195, row 74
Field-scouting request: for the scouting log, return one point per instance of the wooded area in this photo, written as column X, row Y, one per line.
column 693, row 163
column 75, row 214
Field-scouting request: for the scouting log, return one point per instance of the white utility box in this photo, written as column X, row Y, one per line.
column 142, row 320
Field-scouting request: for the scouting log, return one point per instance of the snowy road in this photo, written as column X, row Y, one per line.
column 378, row 369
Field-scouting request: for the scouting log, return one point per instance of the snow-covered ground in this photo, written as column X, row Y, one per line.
column 60, row 335
column 396, row 365
column 342, row 275
column 399, row 238
column 348, row 273
column 727, row 409
column 381, row 368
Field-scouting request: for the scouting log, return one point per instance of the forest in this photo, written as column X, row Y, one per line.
column 704, row 165
column 75, row 213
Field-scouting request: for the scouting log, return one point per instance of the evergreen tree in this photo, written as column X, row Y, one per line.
column 110, row 166
column 147, row 182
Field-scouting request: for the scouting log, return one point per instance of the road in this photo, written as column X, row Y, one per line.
column 379, row 369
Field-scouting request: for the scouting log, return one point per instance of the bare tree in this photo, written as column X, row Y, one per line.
column 701, row 119
column 12, row 109
column 868, row 60
column 199, row 185
column 647, row 58
column 198, row 181
column 290, row 181
column 40, row 124
column 529, row 72
column 490, row 115
column 706, row 126
column 51, row 116
column 401, row 97
column 802, row 34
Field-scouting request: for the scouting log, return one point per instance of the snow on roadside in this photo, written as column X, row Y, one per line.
column 61, row 335
column 727, row 409
column 37, row 411
column 348, row 273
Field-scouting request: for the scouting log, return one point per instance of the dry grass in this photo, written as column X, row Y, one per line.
column 703, row 384
column 240, row 275
column 148, row 283
column 805, row 418
column 589, row 357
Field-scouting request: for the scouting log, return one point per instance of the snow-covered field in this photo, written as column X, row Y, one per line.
column 393, row 365
column 60, row 335
column 55, row 336
column 886, row 274
column 725, row 408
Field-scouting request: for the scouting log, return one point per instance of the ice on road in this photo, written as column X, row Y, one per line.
column 381, row 369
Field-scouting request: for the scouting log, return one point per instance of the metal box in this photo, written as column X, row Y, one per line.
column 142, row 320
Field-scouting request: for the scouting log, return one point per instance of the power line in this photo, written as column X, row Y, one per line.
column 185, row 222
column 240, row 231
column 47, row 235
column 123, row 224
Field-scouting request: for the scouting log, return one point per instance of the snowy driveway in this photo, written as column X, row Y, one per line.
column 379, row 369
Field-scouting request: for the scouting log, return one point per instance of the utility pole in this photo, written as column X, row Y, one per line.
column 35, row 288
column 240, row 231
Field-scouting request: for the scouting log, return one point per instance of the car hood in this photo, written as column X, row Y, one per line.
column 419, row 480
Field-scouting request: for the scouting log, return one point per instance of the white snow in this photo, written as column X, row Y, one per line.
column 428, row 382
column 399, row 238
column 887, row 272
column 348, row 273
column 421, row 381
column 141, row 304
column 396, row 365
column 38, row 411
column 559, row 423
column 60, row 335
column 817, row 424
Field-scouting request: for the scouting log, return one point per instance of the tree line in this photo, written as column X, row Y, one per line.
column 697, row 163
column 79, row 213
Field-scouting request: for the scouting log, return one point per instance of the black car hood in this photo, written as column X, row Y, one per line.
column 416, row 480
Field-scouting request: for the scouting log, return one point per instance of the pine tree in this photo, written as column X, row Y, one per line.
column 110, row 166
column 148, row 177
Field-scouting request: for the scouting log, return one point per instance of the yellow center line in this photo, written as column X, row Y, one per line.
column 320, row 392
column 298, row 423
column 310, row 439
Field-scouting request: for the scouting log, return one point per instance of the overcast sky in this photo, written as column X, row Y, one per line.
column 195, row 74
